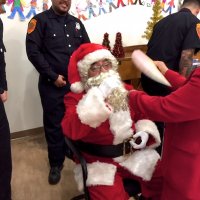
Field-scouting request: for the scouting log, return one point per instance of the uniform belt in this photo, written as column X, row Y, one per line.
column 108, row 151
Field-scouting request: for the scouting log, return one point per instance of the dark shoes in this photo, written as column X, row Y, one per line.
column 55, row 174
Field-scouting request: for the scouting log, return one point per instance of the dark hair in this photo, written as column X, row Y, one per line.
column 191, row 2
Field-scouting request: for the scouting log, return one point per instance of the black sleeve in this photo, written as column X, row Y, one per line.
column 192, row 39
column 3, row 82
column 86, row 38
column 34, row 42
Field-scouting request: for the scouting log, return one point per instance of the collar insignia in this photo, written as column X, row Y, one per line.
column 78, row 27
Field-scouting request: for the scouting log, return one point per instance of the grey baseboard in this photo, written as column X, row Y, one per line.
column 26, row 133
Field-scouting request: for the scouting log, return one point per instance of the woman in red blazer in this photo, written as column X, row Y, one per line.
column 180, row 111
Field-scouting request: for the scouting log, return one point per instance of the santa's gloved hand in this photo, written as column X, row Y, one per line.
column 108, row 85
column 144, row 138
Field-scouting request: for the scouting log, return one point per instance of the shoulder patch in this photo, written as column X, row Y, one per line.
column 198, row 29
column 31, row 26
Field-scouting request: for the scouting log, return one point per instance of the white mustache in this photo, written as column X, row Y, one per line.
column 97, row 80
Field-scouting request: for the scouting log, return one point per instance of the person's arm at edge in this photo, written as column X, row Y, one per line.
column 34, row 53
column 185, row 64
column 176, row 107
column 3, row 82
column 173, row 77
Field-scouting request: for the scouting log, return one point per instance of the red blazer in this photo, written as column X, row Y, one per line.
column 181, row 151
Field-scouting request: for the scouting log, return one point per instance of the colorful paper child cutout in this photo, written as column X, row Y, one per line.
column 17, row 6
column 32, row 11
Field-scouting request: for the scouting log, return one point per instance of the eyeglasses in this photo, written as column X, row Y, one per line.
column 106, row 65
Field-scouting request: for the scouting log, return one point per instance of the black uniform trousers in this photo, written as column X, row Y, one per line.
column 52, row 99
column 5, row 156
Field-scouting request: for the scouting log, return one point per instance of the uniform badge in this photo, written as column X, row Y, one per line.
column 78, row 27
column 31, row 26
column 198, row 29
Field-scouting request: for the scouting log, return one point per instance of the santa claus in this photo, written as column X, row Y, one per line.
column 115, row 141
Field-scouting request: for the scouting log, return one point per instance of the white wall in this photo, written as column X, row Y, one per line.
column 23, row 106
column 128, row 20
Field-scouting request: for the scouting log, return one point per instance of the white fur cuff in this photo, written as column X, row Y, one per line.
column 149, row 127
column 92, row 109
column 98, row 174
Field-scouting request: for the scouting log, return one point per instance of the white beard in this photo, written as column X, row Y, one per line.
column 118, row 98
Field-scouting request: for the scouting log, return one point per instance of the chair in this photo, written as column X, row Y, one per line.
column 83, row 163
column 131, row 186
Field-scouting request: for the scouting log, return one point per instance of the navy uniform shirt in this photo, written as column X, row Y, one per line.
column 3, row 83
column 50, row 41
column 171, row 35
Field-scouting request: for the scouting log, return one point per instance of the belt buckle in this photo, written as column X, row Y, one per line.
column 125, row 147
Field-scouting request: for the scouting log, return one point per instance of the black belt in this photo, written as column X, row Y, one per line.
column 108, row 151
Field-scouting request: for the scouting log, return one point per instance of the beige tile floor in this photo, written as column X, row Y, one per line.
column 30, row 172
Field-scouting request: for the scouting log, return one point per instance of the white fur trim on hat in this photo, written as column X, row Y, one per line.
column 92, row 109
column 85, row 63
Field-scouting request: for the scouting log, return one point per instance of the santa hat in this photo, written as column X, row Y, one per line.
column 81, row 61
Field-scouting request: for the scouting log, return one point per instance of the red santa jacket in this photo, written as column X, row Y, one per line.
column 90, row 119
